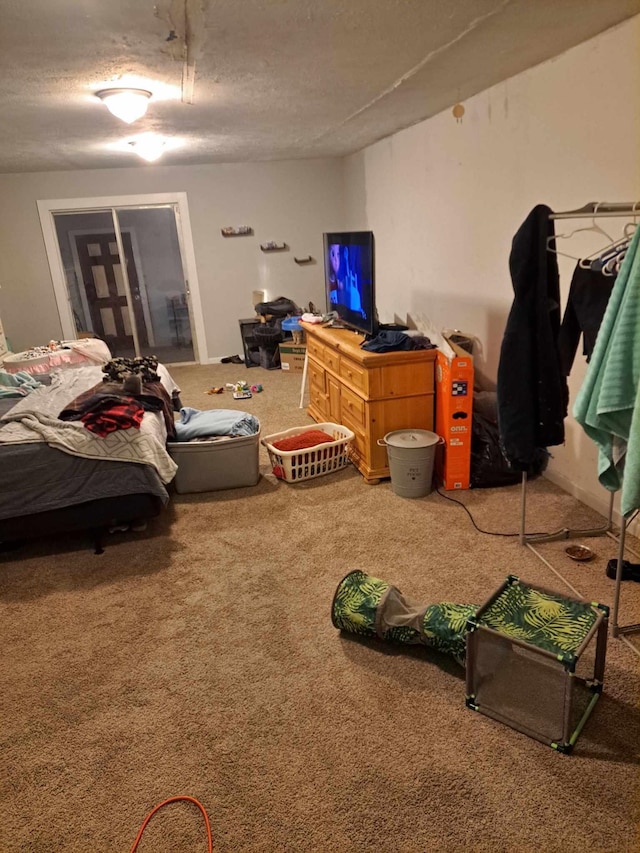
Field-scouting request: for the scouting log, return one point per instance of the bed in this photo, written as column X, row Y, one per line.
column 58, row 477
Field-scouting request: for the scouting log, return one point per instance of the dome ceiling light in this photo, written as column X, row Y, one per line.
column 149, row 146
column 126, row 104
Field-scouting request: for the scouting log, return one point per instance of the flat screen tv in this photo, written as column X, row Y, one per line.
column 349, row 279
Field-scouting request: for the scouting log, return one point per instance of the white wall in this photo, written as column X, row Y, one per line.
column 444, row 199
column 292, row 202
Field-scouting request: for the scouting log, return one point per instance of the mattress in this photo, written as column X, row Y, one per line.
column 37, row 478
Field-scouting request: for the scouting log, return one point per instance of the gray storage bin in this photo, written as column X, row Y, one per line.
column 208, row 466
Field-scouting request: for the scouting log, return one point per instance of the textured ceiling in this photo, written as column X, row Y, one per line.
column 239, row 80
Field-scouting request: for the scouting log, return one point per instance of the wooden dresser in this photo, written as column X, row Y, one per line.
column 371, row 393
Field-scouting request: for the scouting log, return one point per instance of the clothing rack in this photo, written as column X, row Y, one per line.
column 589, row 211
column 569, row 533
column 600, row 208
column 564, row 532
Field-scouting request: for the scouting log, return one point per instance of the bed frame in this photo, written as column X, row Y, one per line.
column 96, row 517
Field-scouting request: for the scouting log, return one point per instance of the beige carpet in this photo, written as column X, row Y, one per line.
column 199, row 658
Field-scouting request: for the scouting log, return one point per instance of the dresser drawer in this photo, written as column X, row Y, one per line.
column 316, row 377
column 332, row 360
column 353, row 375
column 352, row 409
column 315, row 350
column 318, row 400
column 357, row 447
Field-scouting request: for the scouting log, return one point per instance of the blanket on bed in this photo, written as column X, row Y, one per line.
column 16, row 384
column 35, row 418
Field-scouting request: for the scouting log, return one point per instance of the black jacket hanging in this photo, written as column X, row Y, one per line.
column 532, row 392
column 588, row 297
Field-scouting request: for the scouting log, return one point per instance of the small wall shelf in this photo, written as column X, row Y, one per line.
column 303, row 261
column 272, row 246
column 239, row 231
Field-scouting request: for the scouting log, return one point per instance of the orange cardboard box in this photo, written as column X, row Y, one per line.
column 454, row 405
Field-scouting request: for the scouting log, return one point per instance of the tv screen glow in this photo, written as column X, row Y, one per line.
column 349, row 282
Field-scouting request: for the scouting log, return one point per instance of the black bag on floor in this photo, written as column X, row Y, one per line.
column 280, row 307
column 489, row 466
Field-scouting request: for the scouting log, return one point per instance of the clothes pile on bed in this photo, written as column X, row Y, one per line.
column 130, row 387
column 60, row 413
column 120, row 369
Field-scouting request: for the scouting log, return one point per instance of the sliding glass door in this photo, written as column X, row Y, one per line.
column 125, row 277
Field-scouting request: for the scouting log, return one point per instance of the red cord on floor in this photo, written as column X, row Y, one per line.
column 175, row 800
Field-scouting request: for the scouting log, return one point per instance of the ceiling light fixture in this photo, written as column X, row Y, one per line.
column 149, row 147
column 126, row 104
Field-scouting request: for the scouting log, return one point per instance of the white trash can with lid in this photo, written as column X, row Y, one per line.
column 411, row 454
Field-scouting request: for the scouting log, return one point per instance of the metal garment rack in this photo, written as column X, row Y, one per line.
column 600, row 208
column 569, row 533
column 589, row 211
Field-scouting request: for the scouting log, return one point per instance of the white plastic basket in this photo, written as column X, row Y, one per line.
column 293, row 466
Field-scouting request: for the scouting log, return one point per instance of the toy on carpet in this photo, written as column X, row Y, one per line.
column 215, row 390
column 242, row 391
column 534, row 659
column 374, row 608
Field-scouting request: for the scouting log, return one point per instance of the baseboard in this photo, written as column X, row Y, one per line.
column 599, row 504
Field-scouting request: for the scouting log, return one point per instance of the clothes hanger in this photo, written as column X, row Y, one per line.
column 633, row 225
column 608, row 259
column 593, row 227
column 605, row 254
column 612, row 266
